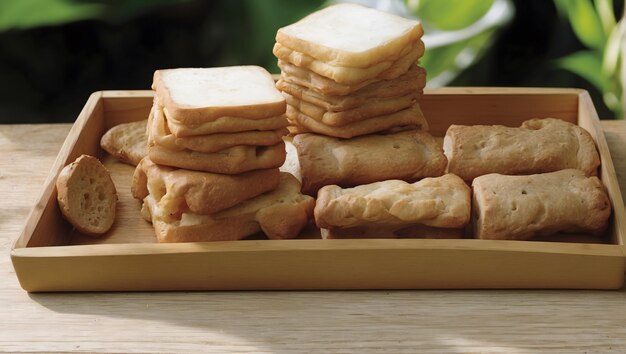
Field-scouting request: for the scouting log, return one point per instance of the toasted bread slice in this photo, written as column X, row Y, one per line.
column 87, row 195
column 198, row 95
column 335, row 35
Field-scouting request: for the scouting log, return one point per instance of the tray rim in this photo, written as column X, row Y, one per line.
column 20, row 250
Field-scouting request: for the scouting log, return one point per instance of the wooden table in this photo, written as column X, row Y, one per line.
column 286, row 322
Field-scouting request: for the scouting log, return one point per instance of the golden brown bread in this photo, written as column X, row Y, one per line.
column 179, row 190
column 437, row 202
column 539, row 145
column 521, row 207
column 410, row 118
column 233, row 160
column 348, row 75
column 128, row 142
column 409, row 156
column 87, row 196
column 280, row 214
column 159, row 134
column 302, row 84
column 373, row 108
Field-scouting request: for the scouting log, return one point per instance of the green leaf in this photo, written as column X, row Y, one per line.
column 612, row 52
column 22, row 14
column 449, row 15
column 584, row 21
column 605, row 12
column 586, row 64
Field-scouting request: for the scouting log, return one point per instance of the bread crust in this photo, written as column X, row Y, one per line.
column 233, row 160
column 159, row 134
column 522, row 207
column 437, row 202
column 247, row 107
column 410, row 118
column 301, row 83
column 280, row 214
column 409, row 156
column 538, row 146
column 373, row 108
column 87, row 196
column 225, row 125
column 385, row 70
column 376, row 231
column 179, row 190
column 128, row 142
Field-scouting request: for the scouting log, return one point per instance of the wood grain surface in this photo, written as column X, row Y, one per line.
column 285, row 322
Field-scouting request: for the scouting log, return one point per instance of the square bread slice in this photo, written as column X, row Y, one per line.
column 350, row 35
column 198, row 95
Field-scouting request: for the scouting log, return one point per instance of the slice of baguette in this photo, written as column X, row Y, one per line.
column 198, row 95
column 87, row 195
column 350, row 35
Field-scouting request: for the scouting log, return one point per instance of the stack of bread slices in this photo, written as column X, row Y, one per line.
column 348, row 71
column 214, row 151
column 350, row 77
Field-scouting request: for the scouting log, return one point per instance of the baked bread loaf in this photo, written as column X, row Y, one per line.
column 408, row 156
column 180, row 190
column 87, row 196
column 280, row 214
column 127, row 142
column 521, row 207
column 437, row 202
column 539, row 145
column 199, row 95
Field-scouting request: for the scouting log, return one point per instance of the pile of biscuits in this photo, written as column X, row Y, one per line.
column 342, row 79
column 214, row 149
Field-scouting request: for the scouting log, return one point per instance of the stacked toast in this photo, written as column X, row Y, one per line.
column 214, row 151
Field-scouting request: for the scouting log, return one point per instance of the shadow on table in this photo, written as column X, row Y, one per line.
column 287, row 321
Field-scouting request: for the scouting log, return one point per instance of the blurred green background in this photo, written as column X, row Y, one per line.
column 54, row 53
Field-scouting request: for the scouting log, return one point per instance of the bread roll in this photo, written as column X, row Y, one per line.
column 539, row 145
column 437, row 202
column 521, row 207
column 408, row 156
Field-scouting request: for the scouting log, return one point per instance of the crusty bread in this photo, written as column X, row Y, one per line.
column 128, row 142
column 411, row 83
column 198, row 95
column 373, row 108
column 280, row 214
column 539, row 145
column 335, row 35
column 233, row 160
column 87, row 195
column 179, row 190
column 408, row 156
column 385, row 70
column 225, row 125
column 437, row 202
column 521, row 207
column 376, row 231
column 159, row 134
column 411, row 118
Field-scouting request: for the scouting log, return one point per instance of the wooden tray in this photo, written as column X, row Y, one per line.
column 48, row 256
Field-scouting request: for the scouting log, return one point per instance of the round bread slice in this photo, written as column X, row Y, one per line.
column 87, row 195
